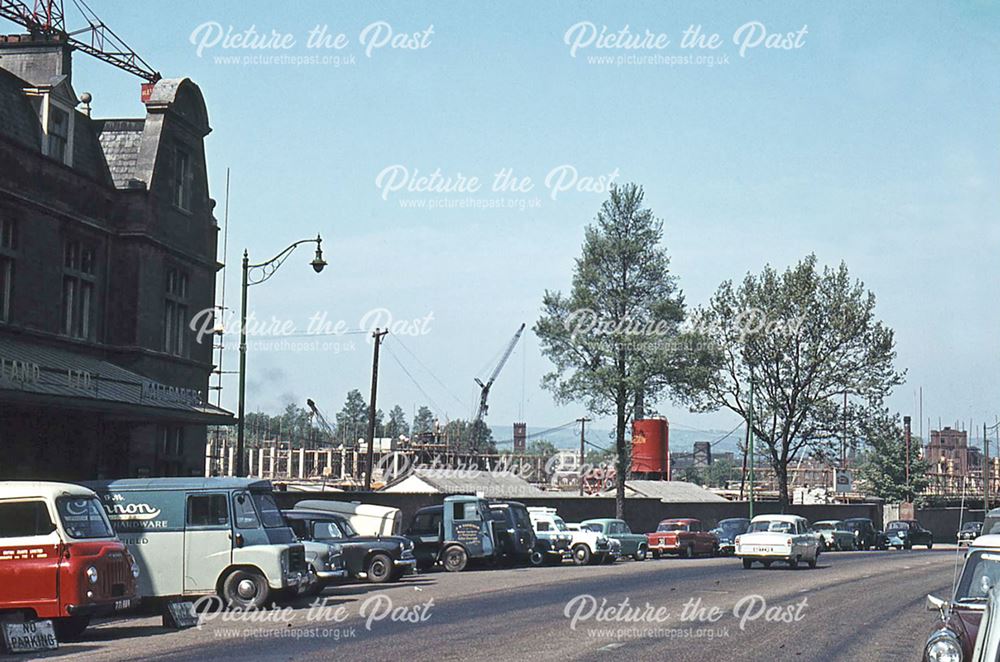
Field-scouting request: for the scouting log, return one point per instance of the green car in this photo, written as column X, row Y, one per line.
column 633, row 544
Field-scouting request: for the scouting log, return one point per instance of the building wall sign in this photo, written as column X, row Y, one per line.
column 162, row 393
column 21, row 372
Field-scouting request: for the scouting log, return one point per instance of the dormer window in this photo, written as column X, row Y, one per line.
column 182, row 179
column 58, row 133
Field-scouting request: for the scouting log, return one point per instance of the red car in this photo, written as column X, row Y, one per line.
column 60, row 558
column 684, row 537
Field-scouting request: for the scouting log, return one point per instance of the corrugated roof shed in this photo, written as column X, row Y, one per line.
column 669, row 490
column 465, row 481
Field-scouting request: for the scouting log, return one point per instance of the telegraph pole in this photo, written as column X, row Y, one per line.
column 750, row 442
column 986, row 470
column 583, row 420
column 906, row 439
column 377, row 335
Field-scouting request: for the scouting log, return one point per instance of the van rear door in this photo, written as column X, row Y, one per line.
column 208, row 540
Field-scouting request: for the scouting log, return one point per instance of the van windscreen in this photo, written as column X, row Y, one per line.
column 83, row 517
column 270, row 515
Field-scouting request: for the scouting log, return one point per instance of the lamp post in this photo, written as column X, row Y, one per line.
column 255, row 274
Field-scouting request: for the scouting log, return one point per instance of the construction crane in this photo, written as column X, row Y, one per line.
column 318, row 415
column 484, row 389
column 46, row 22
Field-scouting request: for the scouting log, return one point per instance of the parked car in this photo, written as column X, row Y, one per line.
column 834, row 535
column 969, row 532
column 366, row 518
column 726, row 532
column 515, row 536
column 200, row 536
column 866, row 535
column 591, row 547
column 773, row 538
column 61, row 558
column 614, row 545
column 581, row 546
column 635, row 545
column 682, row 537
column 904, row 534
column 377, row 559
column 453, row 533
column 954, row 637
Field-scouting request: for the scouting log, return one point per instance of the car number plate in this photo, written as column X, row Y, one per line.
column 763, row 549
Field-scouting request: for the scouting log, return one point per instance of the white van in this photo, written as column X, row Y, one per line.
column 367, row 519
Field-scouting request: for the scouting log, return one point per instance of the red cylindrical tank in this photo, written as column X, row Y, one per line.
column 651, row 448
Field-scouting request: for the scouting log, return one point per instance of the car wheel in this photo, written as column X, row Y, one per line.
column 71, row 627
column 581, row 554
column 813, row 561
column 640, row 554
column 454, row 559
column 689, row 552
column 537, row 558
column 930, row 545
column 898, row 547
column 379, row 568
column 747, row 563
column 793, row 563
column 715, row 550
column 766, row 564
column 245, row 589
column 656, row 554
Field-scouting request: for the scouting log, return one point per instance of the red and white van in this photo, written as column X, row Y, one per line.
column 59, row 557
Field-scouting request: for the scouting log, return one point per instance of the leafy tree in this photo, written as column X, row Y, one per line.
column 719, row 473
column 614, row 338
column 542, row 448
column 423, row 421
column 352, row 420
column 397, row 424
column 691, row 475
column 883, row 470
column 469, row 436
column 807, row 336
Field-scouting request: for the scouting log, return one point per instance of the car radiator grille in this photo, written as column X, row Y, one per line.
column 297, row 559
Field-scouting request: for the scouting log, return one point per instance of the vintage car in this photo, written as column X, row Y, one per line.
column 204, row 536
column 905, row 533
column 866, row 535
column 59, row 557
column 773, row 538
column 562, row 543
column 366, row 518
column 454, row 533
column 726, row 532
column 634, row 545
column 834, row 535
column 614, row 546
column 969, row 532
column 377, row 559
column 515, row 536
column 955, row 636
column 683, row 537
column 987, row 645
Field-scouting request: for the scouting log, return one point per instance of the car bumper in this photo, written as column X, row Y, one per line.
column 665, row 547
column 406, row 565
column 104, row 608
column 330, row 575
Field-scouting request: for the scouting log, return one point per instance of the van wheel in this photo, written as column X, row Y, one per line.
column 379, row 568
column 454, row 559
column 581, row 554
column 245, row 589
column 71, row 627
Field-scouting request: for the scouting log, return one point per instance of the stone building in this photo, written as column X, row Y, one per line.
column 107, row 252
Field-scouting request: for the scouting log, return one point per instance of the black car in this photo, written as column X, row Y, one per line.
column 905, row 533
column 515, row 536
column 727, row 530
column 377, row 559
column 969, row 532
column 866, row 536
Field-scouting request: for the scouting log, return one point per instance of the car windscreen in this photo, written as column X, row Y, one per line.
column 980, row 574
column 671, row 526
column 270, row 516
column 823, row 527
column 733, row 526
column 560, row 524
column 774, row 526
column 83, row 517
column 971, row 526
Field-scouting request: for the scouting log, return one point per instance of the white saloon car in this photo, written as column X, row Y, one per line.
column 585, row 546
column 773, row 538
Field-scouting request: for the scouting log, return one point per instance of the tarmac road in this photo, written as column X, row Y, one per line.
column 854, row 606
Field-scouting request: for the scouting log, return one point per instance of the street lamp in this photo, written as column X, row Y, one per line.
column 255, row 274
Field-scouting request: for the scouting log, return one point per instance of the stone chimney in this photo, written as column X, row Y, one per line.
column 40, row 60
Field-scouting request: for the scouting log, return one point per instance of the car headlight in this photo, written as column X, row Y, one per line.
column 944, row 649
column 92, row 574
column 284, row 563
column 135, row 569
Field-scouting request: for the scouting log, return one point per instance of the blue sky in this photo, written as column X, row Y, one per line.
column 874, row 142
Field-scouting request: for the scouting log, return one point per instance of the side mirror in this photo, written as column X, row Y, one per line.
column 937, row 604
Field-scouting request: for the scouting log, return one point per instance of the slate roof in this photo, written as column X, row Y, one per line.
column 676, row 491
column 120, row 141
column 18, row 120
column 466, row 481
